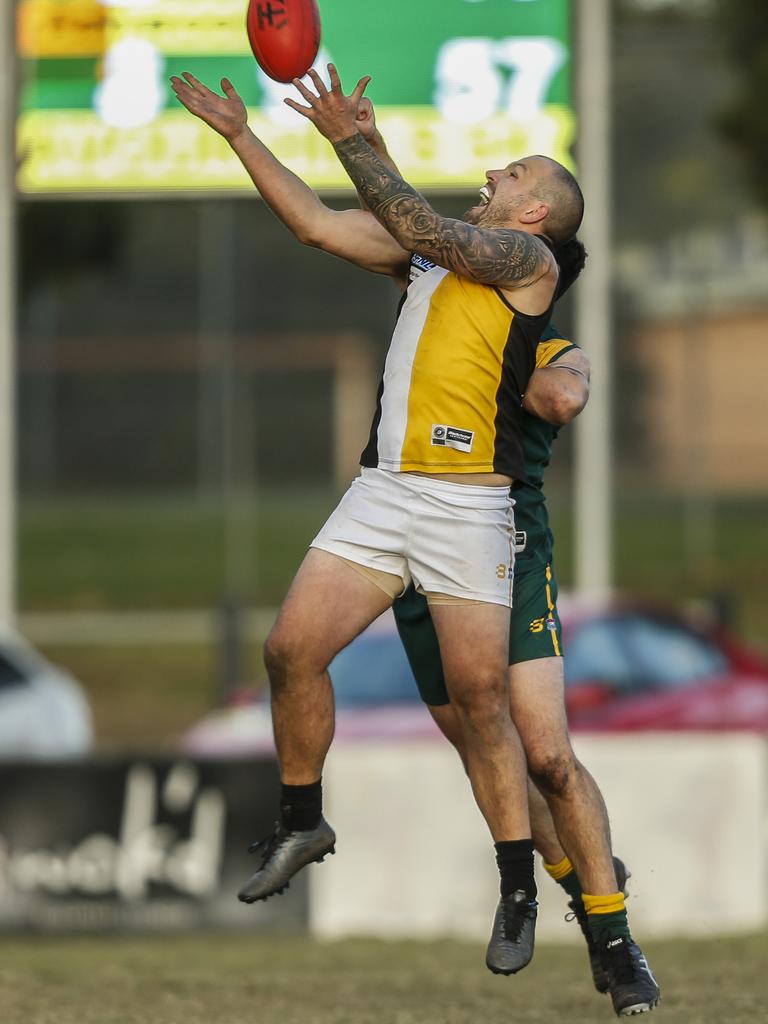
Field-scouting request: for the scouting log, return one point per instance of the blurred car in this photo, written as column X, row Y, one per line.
column 632, row 666
column 376, row 698
column 628, row 666
column 43, row 711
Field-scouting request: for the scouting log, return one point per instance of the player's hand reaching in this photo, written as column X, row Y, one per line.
column 225, row 114
column 366, row 119
column 333, row 114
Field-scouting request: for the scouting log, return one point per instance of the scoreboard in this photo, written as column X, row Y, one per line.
column 458, row 85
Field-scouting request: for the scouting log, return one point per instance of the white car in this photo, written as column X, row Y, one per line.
column 44, row 713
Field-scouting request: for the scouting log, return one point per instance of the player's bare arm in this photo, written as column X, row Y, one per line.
column 506, row 258
column 366, row 125
column 559, row 392
column 353, row 235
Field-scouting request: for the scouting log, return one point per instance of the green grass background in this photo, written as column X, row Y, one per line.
column 260, row 980
column 110, row 554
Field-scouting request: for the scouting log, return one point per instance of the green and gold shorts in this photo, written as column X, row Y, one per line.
column 534, row 631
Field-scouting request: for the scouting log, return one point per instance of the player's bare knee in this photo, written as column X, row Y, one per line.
column 554, row 774
column 483, row 686
column 483, row 704
column 283, row 656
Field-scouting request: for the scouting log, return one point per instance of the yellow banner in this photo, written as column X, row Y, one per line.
column 52, row 28
column 74, row 151
column 83, row 28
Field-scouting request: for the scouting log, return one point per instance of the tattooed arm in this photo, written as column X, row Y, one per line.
column 353, row 235
column 366, row 125
column 500, row 257
column 504, row 257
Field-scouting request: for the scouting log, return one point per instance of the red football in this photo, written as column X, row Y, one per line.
column 284, row 36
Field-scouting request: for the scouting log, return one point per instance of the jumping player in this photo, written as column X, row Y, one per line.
column 557, row 392
column 494, row 275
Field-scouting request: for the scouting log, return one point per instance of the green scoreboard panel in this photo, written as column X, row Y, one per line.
column 459, row 86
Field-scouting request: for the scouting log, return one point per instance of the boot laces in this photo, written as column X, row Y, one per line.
column 270, row 844
column 579, row 914
column 514, row 916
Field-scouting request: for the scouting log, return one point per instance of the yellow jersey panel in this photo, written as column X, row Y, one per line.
column 455, row 377
column 450, row 400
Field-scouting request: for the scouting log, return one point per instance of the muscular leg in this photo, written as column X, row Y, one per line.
column 580, row 817
column 328, row 605
column 474, row 643
column 577, row 806
column 545, row 837
column 542, row 826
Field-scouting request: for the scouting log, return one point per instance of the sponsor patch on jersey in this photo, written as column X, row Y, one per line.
column 452, row 437
column 420, row 265
column 521, row 540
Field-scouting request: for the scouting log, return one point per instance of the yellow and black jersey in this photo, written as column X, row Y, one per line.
column 457, row 367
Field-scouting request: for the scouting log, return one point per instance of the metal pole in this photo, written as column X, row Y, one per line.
column 594, row 450
column 218, row 233
column 7, row 318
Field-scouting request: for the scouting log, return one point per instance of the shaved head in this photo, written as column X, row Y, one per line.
column 535, row 194
column 560, row 191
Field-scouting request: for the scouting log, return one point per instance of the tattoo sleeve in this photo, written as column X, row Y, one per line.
column 498, row 257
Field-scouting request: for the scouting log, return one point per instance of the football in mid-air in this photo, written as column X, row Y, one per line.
column 284, row 36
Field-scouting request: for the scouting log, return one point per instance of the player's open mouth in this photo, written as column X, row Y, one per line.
column 485, row 195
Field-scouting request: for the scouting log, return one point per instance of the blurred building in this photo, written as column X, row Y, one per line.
column 700, row 341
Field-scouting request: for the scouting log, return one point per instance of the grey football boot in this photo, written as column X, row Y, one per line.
column 282, row 855
column 599, row 975
column 514, row 927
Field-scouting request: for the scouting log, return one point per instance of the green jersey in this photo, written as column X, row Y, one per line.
column 531, row 516
column 534, row 630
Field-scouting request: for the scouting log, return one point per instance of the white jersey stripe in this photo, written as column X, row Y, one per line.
column 399, row 365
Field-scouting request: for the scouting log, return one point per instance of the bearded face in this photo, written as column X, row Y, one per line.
column 495, row 209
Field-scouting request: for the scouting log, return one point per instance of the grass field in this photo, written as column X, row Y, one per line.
column 229, row 980
column 158, row 553
column 98, row 553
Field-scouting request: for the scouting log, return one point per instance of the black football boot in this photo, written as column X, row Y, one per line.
column 514, row 927
column 282, row 855
column 599, row 976
column 631, row 982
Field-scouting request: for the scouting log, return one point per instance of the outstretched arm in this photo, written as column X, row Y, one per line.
column 506, row 258
column 366, row 125
column 557, row 393
column 353, row 235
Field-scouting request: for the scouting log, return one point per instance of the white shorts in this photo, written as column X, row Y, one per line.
column 451, row 539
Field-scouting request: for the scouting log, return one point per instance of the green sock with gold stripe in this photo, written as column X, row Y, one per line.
column 606, row 916
column 565, row 876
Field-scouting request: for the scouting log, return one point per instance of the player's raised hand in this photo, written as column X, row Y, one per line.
column 366, row 118
column 332, row 113
column 225, row 114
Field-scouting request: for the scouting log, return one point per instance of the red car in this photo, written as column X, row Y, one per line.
column 628, row 666
column 632, row 666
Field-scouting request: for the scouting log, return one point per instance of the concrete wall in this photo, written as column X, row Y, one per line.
column 689, row 816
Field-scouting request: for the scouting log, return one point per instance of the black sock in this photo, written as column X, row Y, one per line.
column 301, row 807
column 515, row 861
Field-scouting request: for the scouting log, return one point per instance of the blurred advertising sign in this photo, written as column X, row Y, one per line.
column 136, row 844
column 459, row 85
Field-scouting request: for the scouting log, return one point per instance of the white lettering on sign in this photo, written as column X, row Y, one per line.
column 477, row 78
column 146, row 852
